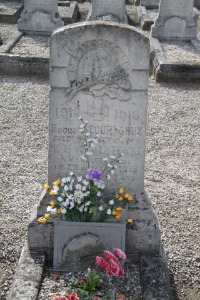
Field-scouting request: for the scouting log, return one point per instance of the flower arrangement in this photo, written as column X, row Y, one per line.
column 80, row 198
column 90, row 287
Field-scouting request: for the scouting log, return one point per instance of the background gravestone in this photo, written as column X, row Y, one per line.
column 108, row 10
column 40, row 16
column 175, row 20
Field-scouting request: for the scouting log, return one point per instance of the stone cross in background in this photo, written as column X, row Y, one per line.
column 109, row 10
column 175, row 21
column 40, row 17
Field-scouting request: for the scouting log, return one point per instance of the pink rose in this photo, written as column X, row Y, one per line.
column 119, row 253
column 100, row 262
column 96, row 298
column 71, row 296
column 109, row 255
column 114, row 269
column 61, row 298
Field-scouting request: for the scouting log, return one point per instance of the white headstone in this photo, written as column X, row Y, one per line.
column 40, row 16
column 175, row 21
column 109, row 10
column 99, row 70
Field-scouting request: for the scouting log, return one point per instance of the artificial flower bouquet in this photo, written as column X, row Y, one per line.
column 95, row 284
column 81, row 198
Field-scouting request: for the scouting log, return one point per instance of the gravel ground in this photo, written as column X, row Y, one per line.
column 171, row 179
column 9, row 7
column 129, row 285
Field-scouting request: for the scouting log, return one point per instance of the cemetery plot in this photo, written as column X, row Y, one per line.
column 10, row 11
column 32, row 45
column 180, row 52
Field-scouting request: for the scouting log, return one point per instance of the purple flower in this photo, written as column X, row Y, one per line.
column 94, row 174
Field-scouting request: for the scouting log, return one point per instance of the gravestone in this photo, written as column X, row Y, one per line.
column 108, row 10
column 175, row 21
column 100, row 70
column 40, row 17
column 106, row 83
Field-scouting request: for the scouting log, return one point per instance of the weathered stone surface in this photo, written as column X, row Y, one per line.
column 76, row 244
column 143, row 235
column 70, row 13
column 40, row 16
column 99, row 70
column 175, row 21
column 105, row 9
column 28, row 276
column 150, row 3
column 155, row 278
column 1, row 41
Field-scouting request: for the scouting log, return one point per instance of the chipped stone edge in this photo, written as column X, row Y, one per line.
column 28, row 276
column 174, row 71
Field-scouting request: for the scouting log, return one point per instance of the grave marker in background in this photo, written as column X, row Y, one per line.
column 175, row 21
column 40, row 16
column 109, row 10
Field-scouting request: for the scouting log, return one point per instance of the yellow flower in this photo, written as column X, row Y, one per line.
column 42, row 220
column 52, row 203
column 52, row 193
column 117, row 196
column 59, row 211
column 129, row 221
column 114, row 212
column 118, row 216
column 120, row 199
column 46, row 186
column 47, row 216
column 129, row 198
column 56, row 183
column 121, row 190
column 119, row 208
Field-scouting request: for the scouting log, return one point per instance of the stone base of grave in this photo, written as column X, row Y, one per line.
column 147, row 3
column 39, row 22
column 154, row 277
column 174, row 28
column 68, row 13
column 142, row 236
column 164, row 71
column 144, row 19
column 12, row 14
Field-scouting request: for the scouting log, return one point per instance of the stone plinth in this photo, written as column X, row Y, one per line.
column 108, row 10
column 40, row 17
column 148, row 3
column 175, row 21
